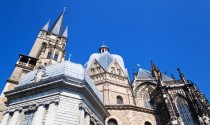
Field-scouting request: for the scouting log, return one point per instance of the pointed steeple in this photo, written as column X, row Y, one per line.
column 156, row 74
column 182, row 76
column 65, row 33
column 46, row 26
column 57, row 26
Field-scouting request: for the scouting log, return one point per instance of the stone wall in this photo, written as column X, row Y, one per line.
column 131, row 117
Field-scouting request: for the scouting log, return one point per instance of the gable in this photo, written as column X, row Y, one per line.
column 116, row 69
column 95, row 68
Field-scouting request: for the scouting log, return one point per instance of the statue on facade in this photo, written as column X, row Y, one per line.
column 40, row 74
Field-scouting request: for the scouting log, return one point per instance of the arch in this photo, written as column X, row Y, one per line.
column 143, row 85
column 112, row 122
column 184, row 111
column 119, row 99
column 147, row 123
column 143, row 96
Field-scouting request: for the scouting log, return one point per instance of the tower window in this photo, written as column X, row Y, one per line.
column 119, row 100
column 184, row 111
column 112, row 122
column 49, row 55
column 56, row 57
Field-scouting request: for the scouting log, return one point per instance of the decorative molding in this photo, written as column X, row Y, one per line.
column 32, row 106
column 129, row 107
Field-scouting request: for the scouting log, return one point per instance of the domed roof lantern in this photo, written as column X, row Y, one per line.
column 103, row 49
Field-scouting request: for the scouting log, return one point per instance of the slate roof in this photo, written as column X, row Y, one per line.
column 66, row 68
column 146, row 75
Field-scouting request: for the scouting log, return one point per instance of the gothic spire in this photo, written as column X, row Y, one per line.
column 156, row 73
column 182, row 76
column 57, row 26
column 65, row 33
column 46, row 26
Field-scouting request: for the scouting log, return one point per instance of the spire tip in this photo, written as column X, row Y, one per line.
column 65, row 8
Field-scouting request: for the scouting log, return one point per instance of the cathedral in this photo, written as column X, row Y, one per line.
column 46, row 89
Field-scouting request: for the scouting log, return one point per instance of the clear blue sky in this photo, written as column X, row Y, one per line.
column 172, row 33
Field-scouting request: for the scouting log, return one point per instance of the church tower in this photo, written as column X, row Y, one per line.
column 48, row 48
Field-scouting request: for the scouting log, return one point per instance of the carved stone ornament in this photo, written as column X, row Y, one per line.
column 40, row 74
column 200, row 120
column 206, row 119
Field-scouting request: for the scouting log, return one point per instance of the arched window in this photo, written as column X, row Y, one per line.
column 92, row 70
column 147, row 123
column 56, row 56
column 146, row 99
column 49, row 55
column 119, row 72
column 44, row 44
column 112, row 122
column 112, row 70
column 119, row 100
column 184, row 111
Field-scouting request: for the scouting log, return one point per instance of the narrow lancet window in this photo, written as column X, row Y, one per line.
column 49, row 55
column 184, row 111
column 56, row 57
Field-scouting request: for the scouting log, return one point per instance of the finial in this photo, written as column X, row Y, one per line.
column 179, row 70
column 182, row 76
column 172, row 76
column 69, row 57
column 151, row 62
column 104, row 43
column 65, row 8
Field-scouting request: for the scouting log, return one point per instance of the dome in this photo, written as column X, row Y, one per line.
column 66, row 68
column 105, row 59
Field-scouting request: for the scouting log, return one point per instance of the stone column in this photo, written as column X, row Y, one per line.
column 38, row 116
column 82, row 117
column 87, row 119
column 51, row 114
column 5, row 119
column 15, row 117
column 28, row 62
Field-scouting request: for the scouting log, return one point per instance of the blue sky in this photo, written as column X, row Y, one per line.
column 172, row 33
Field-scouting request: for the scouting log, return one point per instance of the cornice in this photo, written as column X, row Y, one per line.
column 129, row 107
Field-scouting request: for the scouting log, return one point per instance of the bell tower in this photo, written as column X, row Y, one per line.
column 48, row 48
